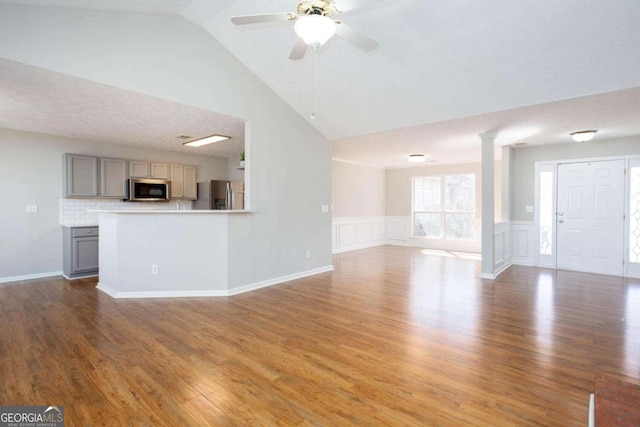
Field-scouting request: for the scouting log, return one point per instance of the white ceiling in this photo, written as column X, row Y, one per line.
column 443, row 72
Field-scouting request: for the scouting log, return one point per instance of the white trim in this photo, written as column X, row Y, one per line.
column 79, row 277
column 30, row 277
column 496, row 273
column 212, row 293
column 498, row 158
column 281, row 279
column 351, row 162
column 592, row 410
column 359, row 219
column 357, row 246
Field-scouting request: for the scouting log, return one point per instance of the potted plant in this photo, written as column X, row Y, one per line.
column 242, row 159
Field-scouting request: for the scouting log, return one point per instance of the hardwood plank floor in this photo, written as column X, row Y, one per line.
column 394, row 336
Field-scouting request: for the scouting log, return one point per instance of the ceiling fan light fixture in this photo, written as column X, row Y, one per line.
column 583, row 135
column 417, row 158
column 315, row 30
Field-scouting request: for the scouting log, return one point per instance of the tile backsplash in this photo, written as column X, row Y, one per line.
column 73, row 212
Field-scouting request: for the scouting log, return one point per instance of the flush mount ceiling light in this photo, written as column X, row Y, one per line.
column 417, row 158
column 583, row 135
column 315, row 30
column 206, row 140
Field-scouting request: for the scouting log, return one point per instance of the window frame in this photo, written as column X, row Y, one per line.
column 443, row 212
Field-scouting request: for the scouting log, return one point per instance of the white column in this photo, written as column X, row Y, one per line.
column 488, row 165
column 506, row 183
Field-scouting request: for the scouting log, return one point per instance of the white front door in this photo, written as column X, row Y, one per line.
column 590, row 217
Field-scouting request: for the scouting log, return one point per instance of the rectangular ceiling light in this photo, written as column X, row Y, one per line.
column 206, row 140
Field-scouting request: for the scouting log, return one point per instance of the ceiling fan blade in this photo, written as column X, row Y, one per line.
column 346, row 5
column 299, row 50
column 269, row 17
column 355, row 37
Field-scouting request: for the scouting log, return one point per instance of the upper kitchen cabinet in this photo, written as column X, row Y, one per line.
column 81, row 176
column 138, row 169
column 159, row 171
column 183, row 182
column 88, row 176
column 113, row 177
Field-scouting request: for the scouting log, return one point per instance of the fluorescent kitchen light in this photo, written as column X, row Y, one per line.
column 206, row 140
column 417, row 158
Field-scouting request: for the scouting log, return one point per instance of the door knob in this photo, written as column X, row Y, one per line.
column 561, row 221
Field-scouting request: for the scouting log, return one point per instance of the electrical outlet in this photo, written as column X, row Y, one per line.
column 32, row 208
column 308, row 254
column 529, row 209
column 154, row 269
column 324, row 208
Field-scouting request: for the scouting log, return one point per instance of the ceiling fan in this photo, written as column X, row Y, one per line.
column 314, row 25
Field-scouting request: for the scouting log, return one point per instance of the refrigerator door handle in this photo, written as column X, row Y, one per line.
column 229, row 197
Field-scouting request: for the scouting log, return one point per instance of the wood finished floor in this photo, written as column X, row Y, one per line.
column 393, row 337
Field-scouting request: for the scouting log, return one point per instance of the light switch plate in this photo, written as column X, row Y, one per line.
column 32, row 208
column 324, row 208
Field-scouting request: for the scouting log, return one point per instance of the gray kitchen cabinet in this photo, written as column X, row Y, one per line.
column 113, row 177
column 183, row 182
column 81, row 176
column 80, row 252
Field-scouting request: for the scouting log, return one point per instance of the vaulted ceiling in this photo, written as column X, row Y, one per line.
column 443, row 71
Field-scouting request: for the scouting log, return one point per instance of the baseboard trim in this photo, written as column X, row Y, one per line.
column 79, row 277
column 357, row 246
column 495, row 275
column 278, row 280
column 211, row 293
column 30, row 277
column 159, row 294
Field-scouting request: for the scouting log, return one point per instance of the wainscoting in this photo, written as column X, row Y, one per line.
column 525, row 241
column 349, row 234
column 502, row 247
column 515, row 242
column 364, row 232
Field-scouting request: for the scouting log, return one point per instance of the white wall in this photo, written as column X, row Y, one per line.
column 358, row 191
column 171, row 58
column 523, row 163
column 31, row 166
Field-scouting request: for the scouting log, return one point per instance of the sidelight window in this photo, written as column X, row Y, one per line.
column 634, row 214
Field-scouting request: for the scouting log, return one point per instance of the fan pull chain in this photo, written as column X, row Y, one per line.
column 313, row 86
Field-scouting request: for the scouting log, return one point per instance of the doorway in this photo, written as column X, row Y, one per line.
column 590, row 216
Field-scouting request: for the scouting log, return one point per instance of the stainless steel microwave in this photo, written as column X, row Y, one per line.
column 148, row 190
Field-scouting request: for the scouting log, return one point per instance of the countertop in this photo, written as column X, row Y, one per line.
column 169, row 211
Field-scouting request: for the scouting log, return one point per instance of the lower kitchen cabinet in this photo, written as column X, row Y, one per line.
column 80, row 254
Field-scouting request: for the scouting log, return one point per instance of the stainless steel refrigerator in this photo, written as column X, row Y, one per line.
column 220, row 195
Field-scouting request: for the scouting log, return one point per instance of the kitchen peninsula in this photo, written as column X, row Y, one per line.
column 163, row 253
